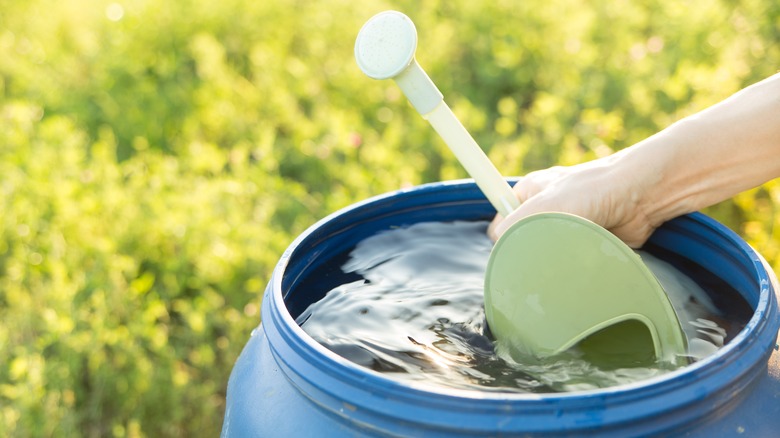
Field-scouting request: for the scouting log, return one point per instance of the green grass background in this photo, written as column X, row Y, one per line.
column 157, row 157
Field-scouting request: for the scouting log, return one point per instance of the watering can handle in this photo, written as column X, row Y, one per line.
column 384, row 49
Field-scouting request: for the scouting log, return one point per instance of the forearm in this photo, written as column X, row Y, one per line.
column 697, row 162
column 710, row 156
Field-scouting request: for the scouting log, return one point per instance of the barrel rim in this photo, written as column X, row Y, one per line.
column 336, row 384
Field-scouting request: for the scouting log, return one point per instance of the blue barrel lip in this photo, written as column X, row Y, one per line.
column 346, row 389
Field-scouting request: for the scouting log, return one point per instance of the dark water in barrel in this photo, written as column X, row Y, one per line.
column 416, row 314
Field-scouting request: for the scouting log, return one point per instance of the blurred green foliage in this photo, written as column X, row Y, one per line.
column 157, row 157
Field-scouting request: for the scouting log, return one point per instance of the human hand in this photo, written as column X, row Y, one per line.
column 700, row 160
column 601, row 190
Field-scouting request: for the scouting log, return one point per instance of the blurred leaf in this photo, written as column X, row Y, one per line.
column 156, row 158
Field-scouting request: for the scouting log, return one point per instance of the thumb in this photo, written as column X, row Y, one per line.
column 491, row 231
column 500, row 224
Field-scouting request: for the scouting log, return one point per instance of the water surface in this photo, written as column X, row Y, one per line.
column 416, row 314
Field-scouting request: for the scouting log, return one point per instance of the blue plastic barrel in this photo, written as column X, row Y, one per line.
column 285, row 384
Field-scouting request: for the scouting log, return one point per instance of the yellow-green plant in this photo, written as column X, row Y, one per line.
column 157, row 157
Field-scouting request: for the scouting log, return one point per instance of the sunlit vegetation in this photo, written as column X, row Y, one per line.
column 157, row 157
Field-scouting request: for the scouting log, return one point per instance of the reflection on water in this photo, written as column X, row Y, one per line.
column 417, row 315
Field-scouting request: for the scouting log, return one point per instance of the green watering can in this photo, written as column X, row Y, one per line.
column 554, row 281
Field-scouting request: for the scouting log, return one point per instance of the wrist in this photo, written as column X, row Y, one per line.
column 642, row 174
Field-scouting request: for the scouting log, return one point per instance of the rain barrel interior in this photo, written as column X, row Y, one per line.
column 683, row 242
column 284, row 373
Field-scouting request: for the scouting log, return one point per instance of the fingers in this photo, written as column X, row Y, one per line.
column 525, row 188
column 491, row 232
column 521, row 192
column 634, row 233
column 535, row 182
column 590, row 190
column 500, row 224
